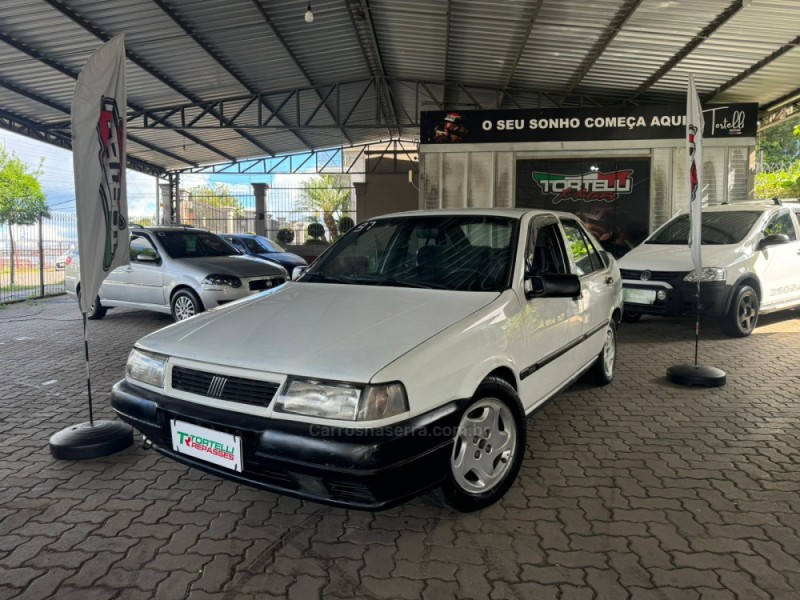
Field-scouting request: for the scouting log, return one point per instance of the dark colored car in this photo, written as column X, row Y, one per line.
column 261, row 247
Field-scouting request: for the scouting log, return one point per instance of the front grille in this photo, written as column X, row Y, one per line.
column 234, row 389
column 654, row 275
column 259, row 285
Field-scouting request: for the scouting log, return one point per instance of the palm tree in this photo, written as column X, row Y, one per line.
column 330, row 195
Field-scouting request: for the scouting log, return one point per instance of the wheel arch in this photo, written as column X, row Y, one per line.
column 750, row 279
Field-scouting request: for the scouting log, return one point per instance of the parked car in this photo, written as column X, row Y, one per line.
column 406, row 357
column 180, row 271
column 265, row 249
column 61, row 261
column 751, row 266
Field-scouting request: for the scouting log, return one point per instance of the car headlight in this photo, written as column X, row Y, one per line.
column 708, row 274
column 228, row 280
column 347, row 402
column 146, row 367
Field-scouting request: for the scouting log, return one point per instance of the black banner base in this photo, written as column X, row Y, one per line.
column 87, row 440
column 696, row 376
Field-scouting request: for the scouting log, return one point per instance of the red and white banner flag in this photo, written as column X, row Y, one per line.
column 694, row 154
column 99, row 105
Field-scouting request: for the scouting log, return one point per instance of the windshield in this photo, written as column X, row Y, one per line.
column 261, row 245
column 727, row 227
column 466, row 253
column 194, row 244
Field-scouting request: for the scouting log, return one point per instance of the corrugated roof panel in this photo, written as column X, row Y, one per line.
column 162, row 44
column 776, row 80
column 653, row 35
column 237, row 32
column 486, row 38
column 562, row 37
column 328, row 49
column 25, row 107
column 412, row 37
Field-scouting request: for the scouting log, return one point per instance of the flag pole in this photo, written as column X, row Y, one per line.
column 696, row 375
column 98, row 153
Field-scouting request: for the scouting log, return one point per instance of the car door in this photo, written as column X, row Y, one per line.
column 780, row 281
column 144, row 283
column 597, row 286
column 552, row 325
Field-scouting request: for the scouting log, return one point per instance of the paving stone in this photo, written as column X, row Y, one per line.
column 639, row 489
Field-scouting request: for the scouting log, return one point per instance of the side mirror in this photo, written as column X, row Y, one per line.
column 776, row 239
column 297, row 272
column 147, row 258
column 552, row 285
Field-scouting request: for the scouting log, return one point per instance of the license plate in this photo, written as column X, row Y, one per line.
column 637, row 296
column 206, row 444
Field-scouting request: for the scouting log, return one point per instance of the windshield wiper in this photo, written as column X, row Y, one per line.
column 399, row 283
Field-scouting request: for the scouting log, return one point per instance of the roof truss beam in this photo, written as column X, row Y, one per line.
column 135, row 59
column 74, row 75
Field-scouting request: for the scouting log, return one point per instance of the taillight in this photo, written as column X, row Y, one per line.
column 68, row 261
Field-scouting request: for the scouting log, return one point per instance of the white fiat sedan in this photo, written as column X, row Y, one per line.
column 406, row 358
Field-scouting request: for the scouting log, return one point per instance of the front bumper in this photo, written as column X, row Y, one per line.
column 356, row 468
column 681, row 299
column 217, row 295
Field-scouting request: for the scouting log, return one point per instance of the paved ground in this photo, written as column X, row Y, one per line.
column 640, row 489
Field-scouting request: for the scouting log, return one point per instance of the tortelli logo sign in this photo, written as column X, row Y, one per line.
column 594, row 186
column 207, row 446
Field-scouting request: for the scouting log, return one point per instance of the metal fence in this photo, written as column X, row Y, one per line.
column 32, row 257
column 236, row 213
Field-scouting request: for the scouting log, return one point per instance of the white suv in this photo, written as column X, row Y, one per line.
column 751, row 266
column 406, row 357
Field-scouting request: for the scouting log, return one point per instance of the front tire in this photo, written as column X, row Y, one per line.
column 602, row 372
column 185, row 304
column 631, row 317
column 743, row 314
column 488, row 448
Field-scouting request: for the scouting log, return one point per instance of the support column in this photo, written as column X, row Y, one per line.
column 260, row 192
column 164, row 210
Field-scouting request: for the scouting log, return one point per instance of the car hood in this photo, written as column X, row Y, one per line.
column 283, row 258
column 321, row 330
column 240, row 266
column 671, row 257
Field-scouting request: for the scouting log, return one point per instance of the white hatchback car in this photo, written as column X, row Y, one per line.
column 751, row 266
column 406, row 357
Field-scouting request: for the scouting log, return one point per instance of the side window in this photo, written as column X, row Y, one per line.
column 545, row 252
column 587, row 260
column 141, row 245
column 781, row 223
column 236, row 243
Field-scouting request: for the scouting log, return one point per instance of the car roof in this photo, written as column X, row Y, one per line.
column 754, row 205
column 240, row 235
column 514, row 213
column 167, row 228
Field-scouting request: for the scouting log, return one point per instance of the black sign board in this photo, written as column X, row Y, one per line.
column 611, row 196
column 583, row 124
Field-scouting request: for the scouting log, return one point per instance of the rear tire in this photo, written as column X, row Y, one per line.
column 97, row 311
column 602, row 371
column 742, row 316
column 185, row 304
column 478, row 474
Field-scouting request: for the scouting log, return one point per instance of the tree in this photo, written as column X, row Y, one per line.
column 209, row 201
column 330, row 195
column 22, row 201
column 779, row 144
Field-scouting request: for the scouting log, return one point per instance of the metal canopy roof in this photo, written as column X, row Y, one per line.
column 213, row 81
